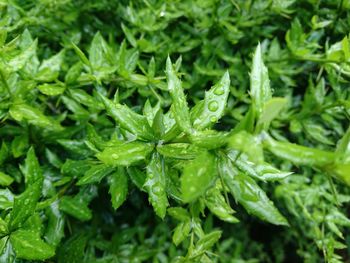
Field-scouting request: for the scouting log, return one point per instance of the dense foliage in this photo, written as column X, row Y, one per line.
column 174, row 131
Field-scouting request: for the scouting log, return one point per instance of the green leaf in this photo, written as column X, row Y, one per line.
column 5, row 180
column 128, row 119
column 270, row 111
column 179, row 213
column 205, row 243
column 19, row 61
column 118, row 187
column 4, row 152
column 155, row 185
column 137, row 176
column 19, row 145
column 3, row 229
column 24, row 204
column 31, row 170
column 181, row 232
column 262, row 171
column 129, row 36
column 179, row 150
column 180, row 108
column 99, row 52
column 259, row 83
column 28, row 245
column 197, row 176
column 81, row 55
column 209, row 139
column 298, row 154
column 77, row 206
column 50, row 68
column 95, row 174
column 8, row 254
column 54, row 231
column 216, row 203
column 248, row 144
column 125, row 154
column 246, row 192
column 6, row 199
column 22, row 111
column 214, row 104
column 52, row 89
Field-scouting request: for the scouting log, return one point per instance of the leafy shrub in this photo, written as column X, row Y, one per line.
column 174, row 131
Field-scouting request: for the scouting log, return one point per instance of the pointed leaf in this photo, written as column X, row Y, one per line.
column 155, row 185
column 197, row 176
column 214, row 104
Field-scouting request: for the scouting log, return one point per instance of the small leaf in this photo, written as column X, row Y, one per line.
column 155, row 185
column 214, row 104
column 248, row 144
column 197, row 176
column 77, row 206
column 181, row 232
column 25, row 204
column 54, row 231
column 216, row 203
column 209, row 139
column 125, row 154
column 52, row 89
column 34, row 116
column 81, row 55
column 28, row 245
column 179, row 213
column 95, row 174
column 179, row 150
column 180, row 108
column 32, row 171
column 5, row 180
column 129, row 120
column 270, row 111
column 298, row 154
column 6, row 199
column 19, row 61
column 99, row 52
column 259, row 82
column 205, row 243
column 50, row 68
column 249, row 194
column 118, row 187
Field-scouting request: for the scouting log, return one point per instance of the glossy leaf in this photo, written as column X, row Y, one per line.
column 5, row 179
column 197, row 176
column 216, row 203
column 214, row 104
column 125, row 154
column 129, row 120
column 28, row 245
column 259, row 82
column 118, row 187
column 95, row 174
column 155, row 185
column 246, row 192
column 180, row 108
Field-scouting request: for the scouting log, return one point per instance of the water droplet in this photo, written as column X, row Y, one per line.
column 192, row 189
column 115, row 156
column 219, row 91
column 213, row 106
column 213, row 119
